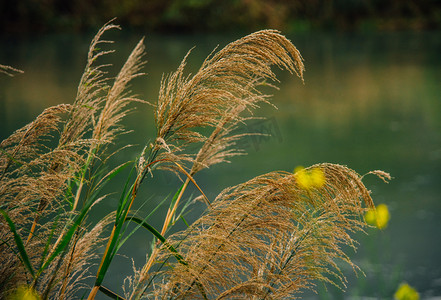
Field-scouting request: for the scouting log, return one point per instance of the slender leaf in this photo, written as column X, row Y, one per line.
column 113, row 173
column 110, row 293
column 112, row 244
column 19, row 243
column 139, row 226
column 175, row 197
column 159, row 237
column 68, row 236
column 9, row 156
column 48, row 242
column 185, row 221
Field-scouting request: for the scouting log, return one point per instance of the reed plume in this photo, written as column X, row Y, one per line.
column 44, row 168
column 226, row 85
column 216, row 97
column 268, row 238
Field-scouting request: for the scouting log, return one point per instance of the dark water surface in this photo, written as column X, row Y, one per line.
column 369, row 102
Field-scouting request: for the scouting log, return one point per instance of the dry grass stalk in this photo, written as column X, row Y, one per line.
column 9, row 71
column 268, row 238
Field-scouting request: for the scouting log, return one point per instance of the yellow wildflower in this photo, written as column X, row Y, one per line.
column 307, row 179
column 406, row 292
column 24, row 293
column 378, row 216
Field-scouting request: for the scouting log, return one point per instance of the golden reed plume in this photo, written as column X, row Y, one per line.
column 226, row 85
column 268, row 238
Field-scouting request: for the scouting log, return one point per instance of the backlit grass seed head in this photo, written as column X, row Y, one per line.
column 378, row 216
column 269, row 237
column 226, row 85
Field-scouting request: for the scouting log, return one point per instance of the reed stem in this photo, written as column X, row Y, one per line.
column 171, row 212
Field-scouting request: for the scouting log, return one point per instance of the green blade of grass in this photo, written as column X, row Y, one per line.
column 19, row 243
column 172, row 203
column 159, row 237
column 106, row 178
column 185, row 221
column 9, row 156
column 48, row 242
column 139, row 226
column 68, row 236
column 115, row 238
column 127, row 197
column 183, row 212
column 126, row 191
column 110, row 293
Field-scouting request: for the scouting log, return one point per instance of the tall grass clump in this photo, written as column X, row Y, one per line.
column 271, row 237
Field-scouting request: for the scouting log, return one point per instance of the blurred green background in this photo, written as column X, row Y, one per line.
column 371, row 100
column 219, row 15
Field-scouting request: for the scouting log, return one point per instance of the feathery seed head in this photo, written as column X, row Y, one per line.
column 269, row 237
column 226, row 85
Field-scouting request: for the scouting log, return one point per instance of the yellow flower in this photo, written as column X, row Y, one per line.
column 406, row 292
column 24, row 293
column 378, row 217
column 307, row 179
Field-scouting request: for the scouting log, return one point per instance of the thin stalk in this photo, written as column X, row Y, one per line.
column 93, row 292
column 189, row 176
column 50, row 285
column 145, row 270
column 89, row 160
column 139, row 179
column 31, row 232
column 110, row 240
column 67, row 272
column 172, row 211
column 169, row 216
column 77, row 195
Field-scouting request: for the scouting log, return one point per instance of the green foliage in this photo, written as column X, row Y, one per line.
column 19, row 243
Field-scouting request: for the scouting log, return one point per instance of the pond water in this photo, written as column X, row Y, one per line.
column 370, row 101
